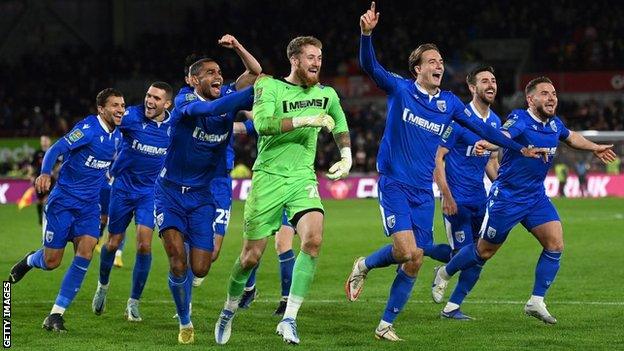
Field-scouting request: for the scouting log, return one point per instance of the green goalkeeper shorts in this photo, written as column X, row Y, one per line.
column 270, row 195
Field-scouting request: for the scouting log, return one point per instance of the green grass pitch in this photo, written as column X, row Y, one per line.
column 586, row 298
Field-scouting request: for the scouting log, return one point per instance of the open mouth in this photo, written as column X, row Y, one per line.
column 437, row 76
column 490, row 92
column 313, row 70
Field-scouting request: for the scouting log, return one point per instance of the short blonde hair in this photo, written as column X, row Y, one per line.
column 295, row 47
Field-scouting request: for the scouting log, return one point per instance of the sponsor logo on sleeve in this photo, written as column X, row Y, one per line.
column 190, row 97
column 447, row 132
column 75, row 135
column 510, row 122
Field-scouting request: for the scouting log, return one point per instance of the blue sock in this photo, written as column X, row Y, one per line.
column 252, row 278
column 466, row 257
column 37, row 260
column 179, row 287
column 139, row 274
column 399, row 294
column 439, row 252
column 287, row 262
column 122, row 243
column 380, row 258
column 546, row 271
column 72, row 281
column 106, row 264
column 467, row 280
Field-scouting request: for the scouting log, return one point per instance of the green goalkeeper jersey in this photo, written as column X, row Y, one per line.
column 291, row 153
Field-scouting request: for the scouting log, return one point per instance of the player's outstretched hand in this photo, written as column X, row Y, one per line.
column 42, row 183
column 449, row 207
column 535, row 152
column 368, row 21
column 605, row 153
column 482, row 146
column 228, row 41
column 340, row 169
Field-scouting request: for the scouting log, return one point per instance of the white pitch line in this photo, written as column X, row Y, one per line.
column 334, row 301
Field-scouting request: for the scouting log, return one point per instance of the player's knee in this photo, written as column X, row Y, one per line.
column 412, row 266
column 555, row 246
column 312, row 245
column 52, row 261
column 281, row 247
column 403, row 254
column 178, row 267
column 201, row 271
column 144, row 248
column 486, row 252
column 112, row 246
column 249, row 259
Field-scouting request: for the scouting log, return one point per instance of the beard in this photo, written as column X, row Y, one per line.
column 303, row 76
column 543, row 112
column 485, row 98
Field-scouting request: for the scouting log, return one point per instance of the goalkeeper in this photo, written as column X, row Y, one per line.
column 288, row 115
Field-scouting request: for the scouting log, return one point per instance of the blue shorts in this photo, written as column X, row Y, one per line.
column 404, row 207
column 463, row 227
column 221, row 189
column 105, row 193
column 65, row 218
column 125, row 204
column 188, row 210
column 502, row 215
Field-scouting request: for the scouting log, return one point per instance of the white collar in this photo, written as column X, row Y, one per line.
column 537, row 119
column 474, row 109
column 198, row 96
column 103, row 124
column 164, row 120
column 422, row 90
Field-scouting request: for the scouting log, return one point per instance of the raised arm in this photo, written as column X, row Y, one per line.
column 231, row 102
column 252, row 66
column 384, row 79
column 579, row 142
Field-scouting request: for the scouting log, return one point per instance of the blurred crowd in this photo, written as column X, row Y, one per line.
column 47, row 92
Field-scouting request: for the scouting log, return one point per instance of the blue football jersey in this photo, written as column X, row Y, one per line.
column 198, row 149
column 521, row 179
column 92, row 150
column 415, row 123
column 142, row 152
column 225, row 90
column 464, row 169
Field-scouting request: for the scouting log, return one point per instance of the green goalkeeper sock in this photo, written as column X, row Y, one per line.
column 238, row 279
column 303, row 274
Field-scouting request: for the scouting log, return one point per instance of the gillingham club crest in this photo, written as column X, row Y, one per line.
column 391, row 221
column 441, row 105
